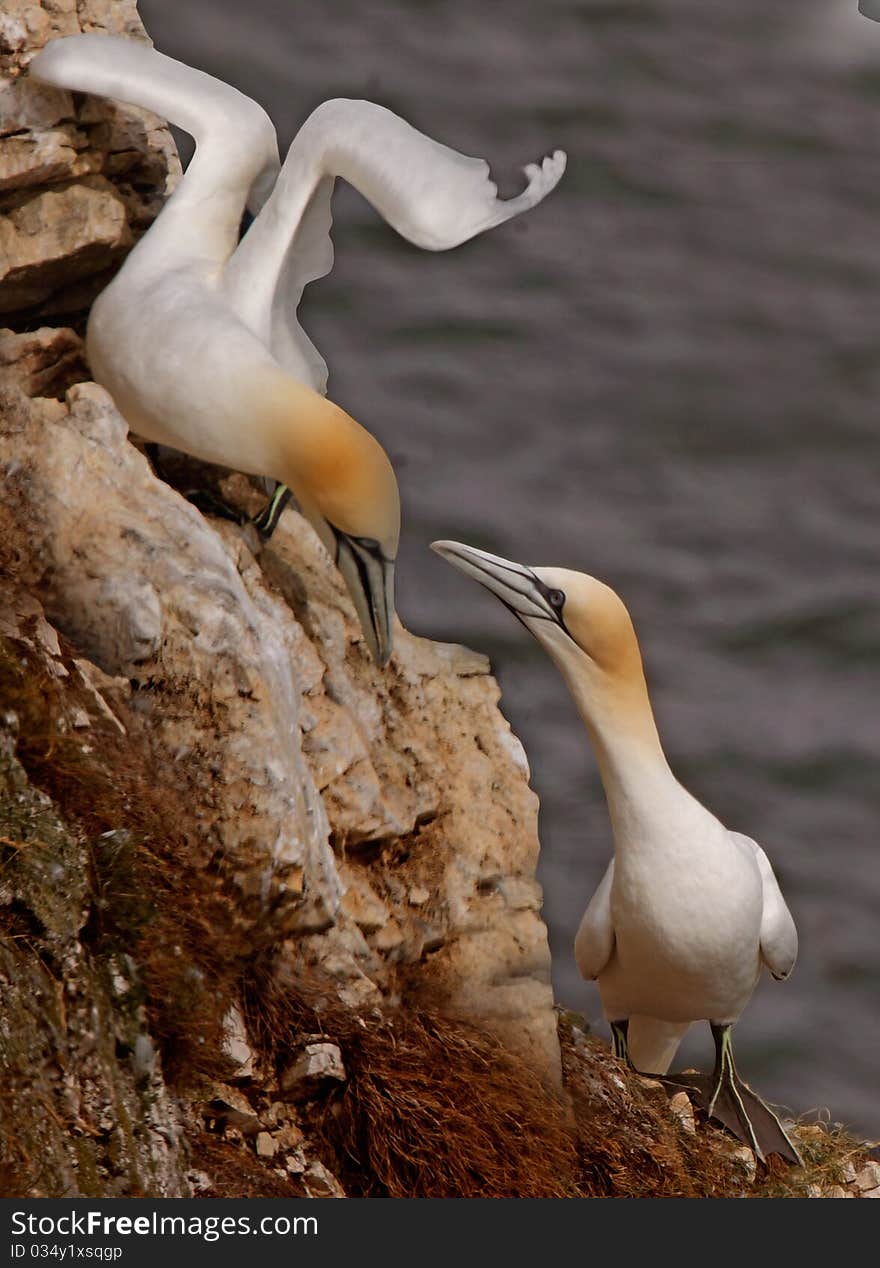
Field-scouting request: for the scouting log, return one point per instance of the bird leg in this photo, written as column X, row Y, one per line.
column 734, row 1104
column 619, row 1040
column 266, row 520
column 723, row 1096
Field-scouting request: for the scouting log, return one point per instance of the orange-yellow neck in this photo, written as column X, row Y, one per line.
column 616, row 711
column 330, row 462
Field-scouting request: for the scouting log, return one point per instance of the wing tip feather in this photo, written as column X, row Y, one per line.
column 543, row 177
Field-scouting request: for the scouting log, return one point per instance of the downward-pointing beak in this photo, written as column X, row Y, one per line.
column 518, row 587
column 370, row 580
column 379, row 628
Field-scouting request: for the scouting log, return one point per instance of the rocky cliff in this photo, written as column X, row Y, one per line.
column 268, row 916
column 374, row 830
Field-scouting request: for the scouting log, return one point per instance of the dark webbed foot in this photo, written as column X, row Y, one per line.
column 266, row 521
column 724, row 1097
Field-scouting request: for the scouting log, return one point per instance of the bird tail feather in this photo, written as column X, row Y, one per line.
column 653, row 1043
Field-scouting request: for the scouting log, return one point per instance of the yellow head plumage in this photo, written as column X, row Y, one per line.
column 583, row 625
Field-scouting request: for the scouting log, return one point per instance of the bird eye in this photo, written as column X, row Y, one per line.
column 556, row 598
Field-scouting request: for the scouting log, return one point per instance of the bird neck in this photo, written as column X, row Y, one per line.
column 306, row 434
column 635, row 773
column 236, row 147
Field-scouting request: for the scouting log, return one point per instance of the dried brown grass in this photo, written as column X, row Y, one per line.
column 433, row 1107
column 828, row 1150
column 136, row 812
column 236, row 1173
column 629, row 1144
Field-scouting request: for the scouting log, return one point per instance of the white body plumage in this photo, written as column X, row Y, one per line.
column 687, row 911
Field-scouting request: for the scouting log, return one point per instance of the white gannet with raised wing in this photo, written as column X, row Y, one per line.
column 687, row 913
column 196, row 337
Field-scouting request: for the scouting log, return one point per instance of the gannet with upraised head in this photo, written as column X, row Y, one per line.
column 687, row 912
column 197, row 339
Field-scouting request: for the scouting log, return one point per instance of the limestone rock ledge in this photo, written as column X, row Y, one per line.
column 80, row 179
column 377, row 825
column 374, row 828
column 371, row 830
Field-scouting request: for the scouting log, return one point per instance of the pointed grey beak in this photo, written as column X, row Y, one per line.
column 518, row 587
column 370, row 580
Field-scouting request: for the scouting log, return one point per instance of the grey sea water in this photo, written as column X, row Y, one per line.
column 667, row 375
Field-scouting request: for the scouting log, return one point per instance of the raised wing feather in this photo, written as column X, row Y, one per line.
column 309, row 256
column 433, row 196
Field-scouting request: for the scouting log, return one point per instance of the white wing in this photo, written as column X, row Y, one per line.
column 594, row 942
column 433, row 196
column 779, row 940
column 309, row 255
column 236, row 159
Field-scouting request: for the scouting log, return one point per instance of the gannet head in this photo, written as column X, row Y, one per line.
column 346, row 488
column 580, row 621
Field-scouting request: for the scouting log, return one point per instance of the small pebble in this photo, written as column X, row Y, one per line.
column 266, row 1146
column 747, row 1161
column 869, row 1177
column 682, row 1110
